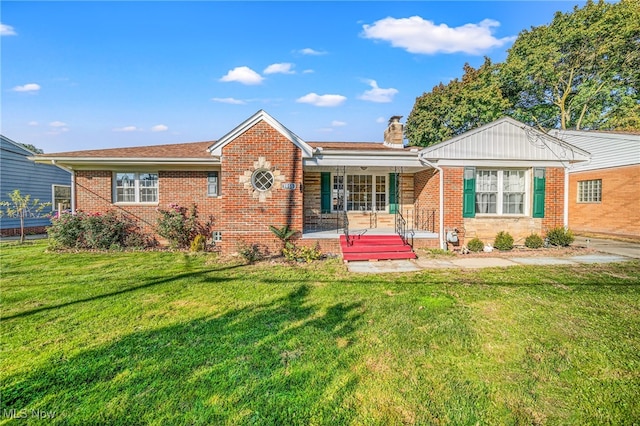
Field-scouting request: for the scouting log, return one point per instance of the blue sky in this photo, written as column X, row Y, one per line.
column 90, row 75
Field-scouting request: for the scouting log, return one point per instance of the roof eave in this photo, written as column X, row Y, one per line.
column 71, row 161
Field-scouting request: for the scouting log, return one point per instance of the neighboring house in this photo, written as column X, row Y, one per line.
column 502, row 176
column 604, row 193
column 46, row 182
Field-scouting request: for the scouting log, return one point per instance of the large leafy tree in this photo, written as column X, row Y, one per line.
column 580, row 71
column 458, row 106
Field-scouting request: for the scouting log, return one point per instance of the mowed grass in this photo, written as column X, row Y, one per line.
column 174, row 338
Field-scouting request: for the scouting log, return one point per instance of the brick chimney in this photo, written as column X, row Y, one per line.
column 394, row 134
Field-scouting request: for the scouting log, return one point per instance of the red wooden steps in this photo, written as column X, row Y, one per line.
column 375, row 247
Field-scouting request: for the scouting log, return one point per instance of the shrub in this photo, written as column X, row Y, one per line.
column 66, row 230
column 503, row 241
column 199, row 243
column 250, row 252
column 475, row 245
column 180, row 226
column 560, row 237
column 302, row 254
column 534, row 241
column 108, row 231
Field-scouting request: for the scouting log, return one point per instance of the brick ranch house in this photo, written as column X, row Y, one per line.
column 501, row 176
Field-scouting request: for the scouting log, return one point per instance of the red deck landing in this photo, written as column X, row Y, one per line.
column 375, row 247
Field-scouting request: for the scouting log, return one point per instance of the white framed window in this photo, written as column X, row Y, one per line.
column 502, row 192
column 61, row 197
column 262, row 180
column 359, row 193
column 132, row 187
column 590, row 191
column 213, row 184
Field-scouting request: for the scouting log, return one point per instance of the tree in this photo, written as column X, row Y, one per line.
column 22, row 207
column 461, row 105
column 580, row 71
column 32, row 148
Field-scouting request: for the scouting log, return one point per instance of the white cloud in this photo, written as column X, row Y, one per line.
column 381, row 120
column 283, row 68
column 376, row 94
column 418, row 35
column 159, row 128
column 33, row 123
column 244, row 75
column 311, row 52
column 308, row 72
column 126, row 129
column 29, row 87
column 322, row 100
column 57, row 127
column 7, row 30
column 336, row 123
column 231, row 101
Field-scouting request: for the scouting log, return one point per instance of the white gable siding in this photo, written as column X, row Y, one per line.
column 505, row 139
column 607, row 149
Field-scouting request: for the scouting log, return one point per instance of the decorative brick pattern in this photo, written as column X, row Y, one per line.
column 245, row 218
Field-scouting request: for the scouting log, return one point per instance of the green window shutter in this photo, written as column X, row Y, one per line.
column 538, row 191
column 469, row 192
column 325, row 192
column 393, row 193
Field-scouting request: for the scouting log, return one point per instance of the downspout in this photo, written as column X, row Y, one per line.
column 73, row 184
column 443, row 243
column 565, row 218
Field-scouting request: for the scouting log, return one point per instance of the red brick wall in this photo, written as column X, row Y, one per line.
column 245, row 218
column 553, row 199
column 94, row 194
column 618, row 214
column 427, row 194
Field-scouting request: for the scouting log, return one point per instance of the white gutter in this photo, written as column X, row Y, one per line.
column 73, row 184
column 443, row 243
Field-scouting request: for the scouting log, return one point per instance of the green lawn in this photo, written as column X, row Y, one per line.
column 173, row 338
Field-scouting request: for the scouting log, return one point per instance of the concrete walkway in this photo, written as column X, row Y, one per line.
column 607, row 251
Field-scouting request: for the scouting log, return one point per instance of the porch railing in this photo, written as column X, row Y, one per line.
column 345, row 228
column 401, row 227
column 424, row 219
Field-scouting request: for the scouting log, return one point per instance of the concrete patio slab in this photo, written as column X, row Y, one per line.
column 483, row 262
column 427, row 263
column 382, row 266
column 619, row 248
column 598, row 258
column 542, row 261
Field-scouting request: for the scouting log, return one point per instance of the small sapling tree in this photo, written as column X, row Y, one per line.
column 22, row 207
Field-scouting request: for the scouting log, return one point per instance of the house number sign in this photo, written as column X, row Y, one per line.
column 289, row 185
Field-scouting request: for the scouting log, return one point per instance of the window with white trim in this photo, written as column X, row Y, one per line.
column 133, row 187
column 590, row 191
column 262, row 179
column 61, row 196
column 359, row 193
column 502, row 192
column 213, row 188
